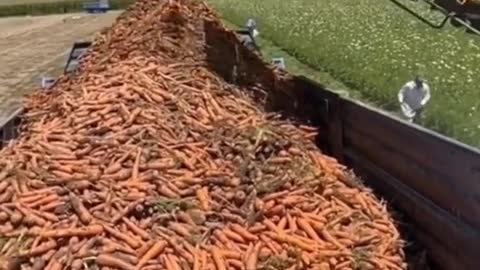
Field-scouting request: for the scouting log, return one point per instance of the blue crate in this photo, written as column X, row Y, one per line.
column 100, row 6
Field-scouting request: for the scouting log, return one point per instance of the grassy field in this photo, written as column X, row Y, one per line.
column 34, row 46
column 18, row 2
column 375, row 47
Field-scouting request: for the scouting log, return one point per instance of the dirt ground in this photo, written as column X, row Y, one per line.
column 31, row 47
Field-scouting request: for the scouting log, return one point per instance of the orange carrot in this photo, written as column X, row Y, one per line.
column 218, row 259
column 132, row 242
column 135, row 229
column 295, row 240
column 282, row 223
column 197, row 263
column 271, row 226
column 203, row 198
column 307, row 228
column 179, row 228
column 69, row 232
column 331, row 239
column 167, row 192
column 40, row 249
column 153, row 252
column 233, row 236
column 244, row 233
column 127, row 210
column 111, row 261
column 252, row 259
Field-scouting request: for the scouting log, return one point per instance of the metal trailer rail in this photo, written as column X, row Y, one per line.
column 433, row 179
column 452, row 16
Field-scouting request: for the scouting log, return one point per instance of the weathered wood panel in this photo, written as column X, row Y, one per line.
column 448, row 232
column 443, row 171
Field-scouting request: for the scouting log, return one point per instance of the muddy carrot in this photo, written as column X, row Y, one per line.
column 81, row 211
column 111, row 261
column 153, row 252
column 27, row 213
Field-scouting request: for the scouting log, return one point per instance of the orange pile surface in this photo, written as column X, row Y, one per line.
column 146, row 159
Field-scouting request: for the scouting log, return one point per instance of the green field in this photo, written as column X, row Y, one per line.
column 375, row 47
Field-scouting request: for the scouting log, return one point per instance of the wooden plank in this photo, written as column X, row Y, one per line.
column 326, row 107
column 446, row 172
column 422, row 179
column 449, row 232
column 448, row 259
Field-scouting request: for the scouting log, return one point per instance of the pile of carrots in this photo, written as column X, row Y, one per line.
column 145, row 159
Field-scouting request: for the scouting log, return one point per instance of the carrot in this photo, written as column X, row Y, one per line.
column 110, row 261
column 252, row 259
column 136, row 166
column 197, row 263
column 3, row 185
column 31, row 216
column 203, row 198
column 167, row 262
column 294, row 240
column 40, row 249
column 233, row 236
column 167, row 192
column 81, row 211
column 132, row 242
column 268, row 242
column 113, row 168
column 282, row 223
column 153, row 252
column 54, row 264
column 331, row 239
column 218, row 259
column 34, row 198
column 271, row 226
column 258, row 227
column 307, row 228
column 174, row 262
column 127, row 210
column 244, row 233
column 69, row 232
column 135, row 229
column 179, row 229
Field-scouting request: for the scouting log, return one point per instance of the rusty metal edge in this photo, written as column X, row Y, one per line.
column 11, row 117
